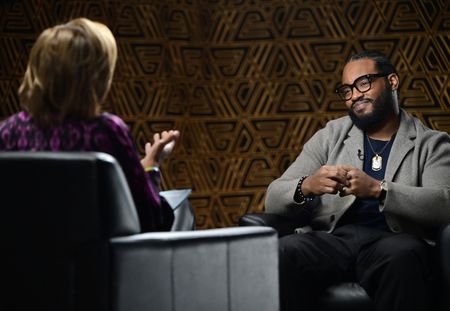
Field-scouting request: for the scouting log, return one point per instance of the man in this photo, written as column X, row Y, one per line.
column 376, row 185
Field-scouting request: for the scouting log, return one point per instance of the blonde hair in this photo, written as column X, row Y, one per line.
column 69, row 72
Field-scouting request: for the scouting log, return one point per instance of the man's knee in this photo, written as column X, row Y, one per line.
column 403, row 246
column 291, row 248
column 405, row 253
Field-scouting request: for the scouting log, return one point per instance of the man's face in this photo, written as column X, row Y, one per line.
column 370, row 108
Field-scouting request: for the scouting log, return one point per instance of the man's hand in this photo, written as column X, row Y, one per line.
column 360, row 184
column 327, row 179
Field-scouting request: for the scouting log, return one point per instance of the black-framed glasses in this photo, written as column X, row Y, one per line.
column 362, row 84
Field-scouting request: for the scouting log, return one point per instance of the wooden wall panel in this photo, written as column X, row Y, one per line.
column 246, row 82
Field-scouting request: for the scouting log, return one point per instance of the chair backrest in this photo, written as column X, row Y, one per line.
column 59, row 211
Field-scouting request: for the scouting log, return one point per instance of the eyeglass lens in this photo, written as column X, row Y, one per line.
column 362, row 84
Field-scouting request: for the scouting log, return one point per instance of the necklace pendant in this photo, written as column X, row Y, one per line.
column 377, row 163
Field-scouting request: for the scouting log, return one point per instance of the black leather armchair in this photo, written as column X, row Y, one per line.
column 351, row 296
column 70, row 241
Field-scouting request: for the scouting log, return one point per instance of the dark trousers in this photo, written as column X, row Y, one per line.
column 394, row 269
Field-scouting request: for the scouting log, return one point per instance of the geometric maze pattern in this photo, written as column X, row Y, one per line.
column 246, row 82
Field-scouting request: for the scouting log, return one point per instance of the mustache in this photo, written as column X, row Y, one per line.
column 361, row 101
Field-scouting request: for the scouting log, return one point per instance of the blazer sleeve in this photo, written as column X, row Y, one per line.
column 425, row 198
column 280, row 193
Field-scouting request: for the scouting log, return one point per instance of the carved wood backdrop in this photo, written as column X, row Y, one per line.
column 246, row 82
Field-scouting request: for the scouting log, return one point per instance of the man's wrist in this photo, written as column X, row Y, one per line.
column 299, row 196
column 383, row 191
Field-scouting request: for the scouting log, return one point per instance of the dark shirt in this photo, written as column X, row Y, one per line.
column 105, row 133
column 366, row 212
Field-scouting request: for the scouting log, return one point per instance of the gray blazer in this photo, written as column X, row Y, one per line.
column 417, row 175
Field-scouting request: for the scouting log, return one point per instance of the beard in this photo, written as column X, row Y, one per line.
column 383, row 107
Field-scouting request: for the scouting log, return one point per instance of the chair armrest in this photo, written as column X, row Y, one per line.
column 282, row 224
column 219, row 269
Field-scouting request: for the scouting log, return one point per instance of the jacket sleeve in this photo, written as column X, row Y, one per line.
column 153, row 212
column 280, row 193
column 426, row 200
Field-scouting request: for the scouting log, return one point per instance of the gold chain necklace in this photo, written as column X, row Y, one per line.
column 377, row 160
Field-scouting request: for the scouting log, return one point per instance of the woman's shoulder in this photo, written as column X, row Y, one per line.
column 113, row 122
column 16, row 120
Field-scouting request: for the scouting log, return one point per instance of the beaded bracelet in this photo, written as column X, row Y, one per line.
column 299, row 197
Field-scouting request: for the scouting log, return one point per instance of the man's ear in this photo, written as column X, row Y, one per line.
column 393, row 81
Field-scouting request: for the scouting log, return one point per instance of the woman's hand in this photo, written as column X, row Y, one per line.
column 163, row 144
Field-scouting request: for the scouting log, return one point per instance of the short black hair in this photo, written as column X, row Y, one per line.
column 382, row 63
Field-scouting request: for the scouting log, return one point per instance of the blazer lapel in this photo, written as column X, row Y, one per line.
column 403, row 143
column 354, row 146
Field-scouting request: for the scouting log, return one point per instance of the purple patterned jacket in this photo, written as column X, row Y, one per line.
column 105, row 133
